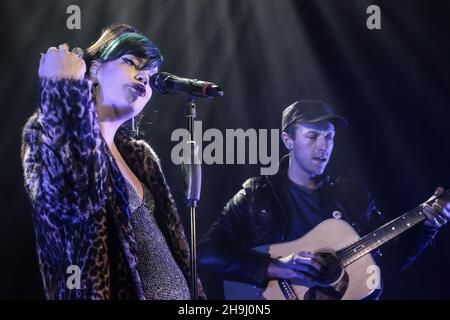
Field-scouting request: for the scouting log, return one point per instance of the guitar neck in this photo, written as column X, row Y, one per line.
column 384, row 234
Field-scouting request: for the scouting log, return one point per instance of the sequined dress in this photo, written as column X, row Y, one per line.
column 161, row 277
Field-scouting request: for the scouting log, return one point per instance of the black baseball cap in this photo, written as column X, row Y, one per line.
column 310, row 111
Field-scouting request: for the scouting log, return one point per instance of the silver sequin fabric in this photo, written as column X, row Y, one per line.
column 161, row 277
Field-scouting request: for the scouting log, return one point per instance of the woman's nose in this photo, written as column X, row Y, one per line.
column 141, row 78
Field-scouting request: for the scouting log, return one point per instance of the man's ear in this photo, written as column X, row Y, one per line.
column 287, row 140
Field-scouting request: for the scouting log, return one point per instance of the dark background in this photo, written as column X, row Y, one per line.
column 392, row 84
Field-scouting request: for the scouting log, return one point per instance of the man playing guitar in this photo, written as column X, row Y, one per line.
column 286, row 206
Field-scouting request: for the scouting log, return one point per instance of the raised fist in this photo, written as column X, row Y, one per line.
column 60, row 63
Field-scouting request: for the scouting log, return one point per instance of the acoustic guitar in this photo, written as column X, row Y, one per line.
column 349, row 272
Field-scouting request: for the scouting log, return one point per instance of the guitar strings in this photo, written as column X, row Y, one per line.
column 344, row 252
column 406, row 217
column 339, row 262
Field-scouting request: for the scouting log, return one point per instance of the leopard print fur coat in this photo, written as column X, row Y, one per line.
column 80, row 204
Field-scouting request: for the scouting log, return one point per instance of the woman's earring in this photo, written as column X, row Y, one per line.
column 134, row 127
column 93, row 72
column 94, row 80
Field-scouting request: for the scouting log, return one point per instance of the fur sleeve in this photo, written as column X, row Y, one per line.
column 62, row 154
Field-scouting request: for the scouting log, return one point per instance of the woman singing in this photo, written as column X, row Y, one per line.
column 106, row 224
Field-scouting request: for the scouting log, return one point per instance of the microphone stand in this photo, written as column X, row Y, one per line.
column 192, row 173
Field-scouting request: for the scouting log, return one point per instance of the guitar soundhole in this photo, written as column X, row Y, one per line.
column 332, row 269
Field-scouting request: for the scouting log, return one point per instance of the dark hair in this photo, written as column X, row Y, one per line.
column 120, row 39
column 291, row 130
column 116, row 41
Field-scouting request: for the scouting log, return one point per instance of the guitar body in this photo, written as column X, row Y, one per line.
column 351, row 283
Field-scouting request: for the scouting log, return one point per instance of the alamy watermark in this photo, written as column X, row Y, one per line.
column 373, row 21
column 74, row 19
column 229, row 149
column 74, row 279
column 374, row 279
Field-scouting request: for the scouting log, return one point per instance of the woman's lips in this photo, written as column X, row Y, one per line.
column 138, row 88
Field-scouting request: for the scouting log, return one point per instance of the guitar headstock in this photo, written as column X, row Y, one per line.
column 444, row 196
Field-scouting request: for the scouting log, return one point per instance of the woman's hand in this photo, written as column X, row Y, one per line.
column 60, row 63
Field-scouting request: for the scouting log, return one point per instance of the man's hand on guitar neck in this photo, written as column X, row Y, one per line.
column 304, row 267
column 438, row 213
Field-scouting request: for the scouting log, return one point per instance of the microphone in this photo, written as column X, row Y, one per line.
column 165, row 83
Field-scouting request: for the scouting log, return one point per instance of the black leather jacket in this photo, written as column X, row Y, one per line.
column 256, row 216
